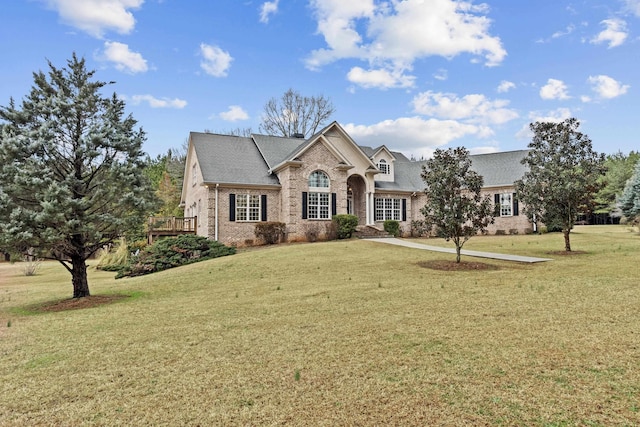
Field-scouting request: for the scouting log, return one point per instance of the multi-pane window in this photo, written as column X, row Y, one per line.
column 318, row 206
column 318, row 202
column 247, row 207
column 318, row 179
column 506, row 204
column 387, row 208
column 383, row 166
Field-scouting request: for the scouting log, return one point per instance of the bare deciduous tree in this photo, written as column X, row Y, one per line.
column 295, row 114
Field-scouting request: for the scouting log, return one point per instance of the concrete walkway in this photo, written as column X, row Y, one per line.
column 503, row 257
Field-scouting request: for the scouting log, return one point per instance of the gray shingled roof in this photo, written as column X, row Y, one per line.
column 497, row 169
column 229, row 159
column 500, row 169
column 276, row 149
column 234, row 159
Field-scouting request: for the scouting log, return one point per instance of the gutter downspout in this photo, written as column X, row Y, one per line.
column 216, row 214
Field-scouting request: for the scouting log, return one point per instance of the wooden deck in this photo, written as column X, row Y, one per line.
column 171, row 226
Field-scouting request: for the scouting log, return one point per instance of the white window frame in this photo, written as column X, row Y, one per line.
column 318, row 198
column 387, row 208
column 506, row 204
column 248, row 207
column 384, row 167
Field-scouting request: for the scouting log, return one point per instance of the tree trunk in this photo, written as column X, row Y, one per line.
column 567, row 243
column 458, row 248
column 79, row 277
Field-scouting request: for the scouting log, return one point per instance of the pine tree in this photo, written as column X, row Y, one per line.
column 629, row 201
column 71, row 168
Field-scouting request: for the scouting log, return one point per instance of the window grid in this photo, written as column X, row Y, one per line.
column 387, row 208
column 318, row 206
column 247, row 207
column 318, row 179
column 383, row 166
column 505, row 205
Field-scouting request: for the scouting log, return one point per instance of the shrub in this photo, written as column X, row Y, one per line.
column 419, row 228
column 173, row 252
column 270, row 232
column 500, row 233
column 513, row 231
column 331, row 230
column 392, row 227
column 311, row 232
column 345, row 225
column 114, row 259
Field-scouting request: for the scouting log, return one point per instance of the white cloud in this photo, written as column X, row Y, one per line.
column 413, row 135
column 267, row 9
column 607, row 87
column 216, row 62
column 392, row 35
column 441, row 74
column 554, row 116
column 383, row 79
column 95, row 17
column 473, row 108
column 124, row 59
column 506, row 86
column 234, row 113
column 554, row 89
column 158, row 103
column 570, row 29
column 615, row 33
column 633, row 6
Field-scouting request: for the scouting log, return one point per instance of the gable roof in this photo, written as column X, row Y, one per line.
column 275, row 149
column 226, row 159
column 500, row 169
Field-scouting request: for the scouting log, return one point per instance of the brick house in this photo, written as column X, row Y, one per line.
column 231, row 183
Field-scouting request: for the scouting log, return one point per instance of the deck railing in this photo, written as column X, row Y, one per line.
column 171, row 226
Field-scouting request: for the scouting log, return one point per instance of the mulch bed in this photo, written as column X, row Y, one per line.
column 446, row 265
column 78, row 303
column 567, row 253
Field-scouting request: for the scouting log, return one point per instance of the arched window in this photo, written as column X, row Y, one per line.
column 318, row 200
column 383, row 166
column 319, row 179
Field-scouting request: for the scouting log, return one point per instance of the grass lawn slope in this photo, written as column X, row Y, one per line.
column 338, row 333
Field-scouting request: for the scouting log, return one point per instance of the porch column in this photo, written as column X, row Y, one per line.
column 366, row 209
column 370, row 207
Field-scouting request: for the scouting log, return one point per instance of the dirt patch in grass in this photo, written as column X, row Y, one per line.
column 77, row 303
column 446, row 265
column 567, row 253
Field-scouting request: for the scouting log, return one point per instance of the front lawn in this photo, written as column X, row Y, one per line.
column 339, row 333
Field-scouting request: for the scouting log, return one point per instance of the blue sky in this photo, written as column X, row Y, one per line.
column 414, row 75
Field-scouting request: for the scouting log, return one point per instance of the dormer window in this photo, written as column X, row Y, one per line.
column 383, row 166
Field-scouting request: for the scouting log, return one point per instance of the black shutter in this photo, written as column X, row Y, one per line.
column 496, row 206
column 515, row 204
column 334, row 202
column 404, row 209
column 304, row 205
column 232, row 207
column 263, row 206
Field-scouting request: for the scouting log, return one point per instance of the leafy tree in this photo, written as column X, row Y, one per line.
column 629, row 201
column 563, row 177
column 295, row 114
column 72, row 170
column 619, row 171
column 455, row 207
column 166, row 173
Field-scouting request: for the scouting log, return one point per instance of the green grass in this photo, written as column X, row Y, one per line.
column 338, row 333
